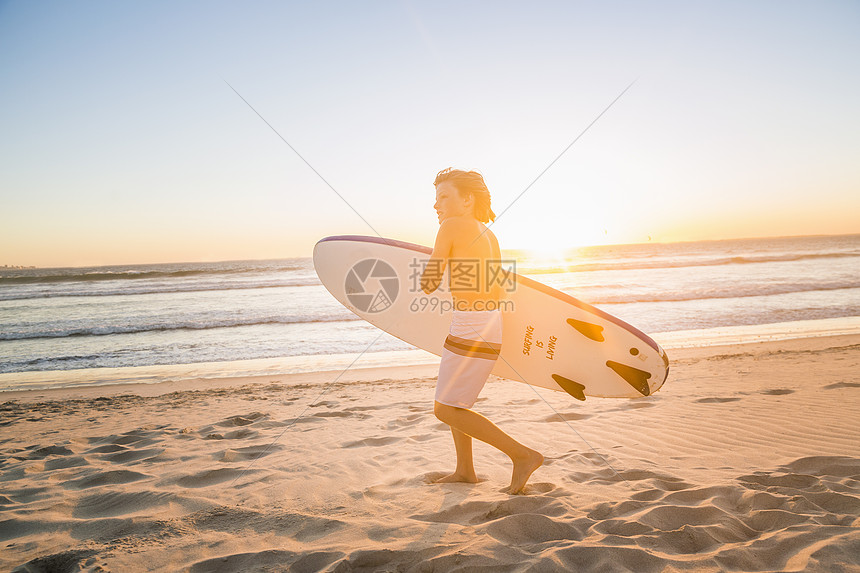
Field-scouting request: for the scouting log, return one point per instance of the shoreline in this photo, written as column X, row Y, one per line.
column 397, row 372
column 300, row 368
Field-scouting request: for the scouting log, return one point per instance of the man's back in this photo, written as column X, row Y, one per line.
column 474, row 250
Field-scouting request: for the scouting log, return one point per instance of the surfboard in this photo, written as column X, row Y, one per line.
column 550, row 339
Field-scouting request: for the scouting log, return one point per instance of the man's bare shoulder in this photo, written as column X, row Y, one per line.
column 494, row 244
column 458, row 222
column 457, row 226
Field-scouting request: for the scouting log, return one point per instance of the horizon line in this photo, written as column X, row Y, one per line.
column 509, row 250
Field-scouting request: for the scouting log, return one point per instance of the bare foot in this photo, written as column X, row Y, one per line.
column 458, row 477
column 523, row 469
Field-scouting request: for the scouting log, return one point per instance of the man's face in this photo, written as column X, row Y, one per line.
column 449, row 203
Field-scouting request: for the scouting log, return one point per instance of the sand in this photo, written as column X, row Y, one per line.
column 747, row 460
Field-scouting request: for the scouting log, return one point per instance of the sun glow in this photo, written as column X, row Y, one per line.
column 548, row 255
column 146, row 175
column 553, row 242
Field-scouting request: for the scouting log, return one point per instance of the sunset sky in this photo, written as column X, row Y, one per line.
column 121, row 142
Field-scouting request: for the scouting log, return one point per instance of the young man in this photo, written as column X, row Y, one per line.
column 475, row 336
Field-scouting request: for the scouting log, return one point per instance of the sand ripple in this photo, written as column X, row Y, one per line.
column 759, row 472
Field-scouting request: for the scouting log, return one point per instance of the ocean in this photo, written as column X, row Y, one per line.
column 277, row 312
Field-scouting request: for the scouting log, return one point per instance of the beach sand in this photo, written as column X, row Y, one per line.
column 748, row 459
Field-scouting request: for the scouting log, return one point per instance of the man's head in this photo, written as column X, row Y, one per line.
column 472, row 191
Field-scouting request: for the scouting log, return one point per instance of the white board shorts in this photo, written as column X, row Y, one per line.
column 468, row 356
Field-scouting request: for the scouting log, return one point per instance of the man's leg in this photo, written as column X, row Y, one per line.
column 465, row 470
column 472, row 424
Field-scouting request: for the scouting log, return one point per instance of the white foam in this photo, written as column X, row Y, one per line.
column 77, row 378
column 337, row 363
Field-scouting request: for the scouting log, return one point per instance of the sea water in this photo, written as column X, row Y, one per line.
column 277, row 313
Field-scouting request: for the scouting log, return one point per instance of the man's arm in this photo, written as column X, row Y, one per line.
column 431, row 278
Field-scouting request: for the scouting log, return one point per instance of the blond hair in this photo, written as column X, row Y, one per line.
column 470, row 183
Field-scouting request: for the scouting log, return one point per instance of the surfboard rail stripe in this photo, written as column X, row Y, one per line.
column 530, row 282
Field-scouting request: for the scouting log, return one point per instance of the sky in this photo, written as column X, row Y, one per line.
column 121, row 140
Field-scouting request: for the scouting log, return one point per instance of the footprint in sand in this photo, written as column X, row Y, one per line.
column 787, row 481
column 212, row 477
column 532, row 528
column 405, row 421
column 837, row 466
column 65, row 463
column 373, row 442
column 696, row 496
column 769, row 513
column 612, row 510
column 566, row 417
column 73, row 560
column 26, row 495
column 138, row 438
column 778, row 392
column 622, row 528
column 127, row 456
column 639, row 404
column 115, row 503
column 481, row 512
column 242, row 420
column 247, row 453
column 715, row 400
column 299, row 526
column 664, row 482
column 107, row 449
column 364, row 408
column 269, row 560
column 839, row 385
column 49, row 451
column 104, row 478
column 538, row 488
column 648, row 495
column 241, row 434
column 339, row 415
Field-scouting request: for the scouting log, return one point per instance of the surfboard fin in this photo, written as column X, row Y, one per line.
column 575, row 389
column 635, row 377
column 588, row 330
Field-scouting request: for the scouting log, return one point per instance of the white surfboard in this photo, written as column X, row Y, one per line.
column 550, row 339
